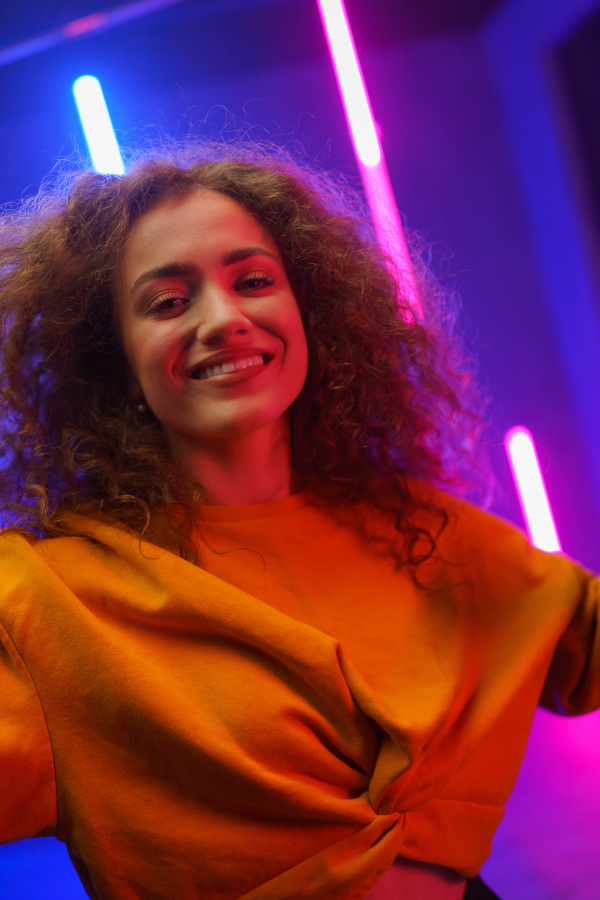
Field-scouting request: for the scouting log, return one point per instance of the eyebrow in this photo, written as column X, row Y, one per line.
column 184, row 270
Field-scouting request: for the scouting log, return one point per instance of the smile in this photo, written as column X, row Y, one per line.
column 227, row 368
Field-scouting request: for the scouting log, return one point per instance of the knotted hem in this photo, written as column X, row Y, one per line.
column 346, row 870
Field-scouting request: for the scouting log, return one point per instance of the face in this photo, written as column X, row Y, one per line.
column 210, row 326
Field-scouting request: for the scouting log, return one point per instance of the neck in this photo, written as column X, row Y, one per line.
column 251, row 468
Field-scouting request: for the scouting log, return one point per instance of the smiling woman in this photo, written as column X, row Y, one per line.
column 384, row 401
column 250, row 649
column 215, row 343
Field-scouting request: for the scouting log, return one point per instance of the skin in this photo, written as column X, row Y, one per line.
column 202, row 289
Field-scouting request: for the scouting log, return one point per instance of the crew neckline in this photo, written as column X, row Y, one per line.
column 277, row 507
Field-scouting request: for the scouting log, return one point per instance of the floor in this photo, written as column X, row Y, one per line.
column 547, row 847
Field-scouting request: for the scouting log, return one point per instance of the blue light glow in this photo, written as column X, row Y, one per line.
column 97, row 127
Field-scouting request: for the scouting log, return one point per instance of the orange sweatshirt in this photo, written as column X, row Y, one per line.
column 286, row 718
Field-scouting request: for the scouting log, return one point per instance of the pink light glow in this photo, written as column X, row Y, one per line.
column 367, row 147
column 350, row 81
column 388, row 228
column 531, row 489
column 88, row 23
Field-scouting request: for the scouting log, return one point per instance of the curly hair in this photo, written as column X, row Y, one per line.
column 388, row 402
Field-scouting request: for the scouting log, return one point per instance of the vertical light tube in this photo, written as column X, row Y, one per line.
column 97, row 127
column 531, row 490
column 367, row 146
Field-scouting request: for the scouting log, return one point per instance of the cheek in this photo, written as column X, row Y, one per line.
column 147, row 352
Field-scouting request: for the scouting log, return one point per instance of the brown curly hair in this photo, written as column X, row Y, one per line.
column 387, row 402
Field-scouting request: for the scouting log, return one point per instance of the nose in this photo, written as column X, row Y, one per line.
column 220, row 316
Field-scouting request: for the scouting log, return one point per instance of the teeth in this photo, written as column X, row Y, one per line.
column 228, row 367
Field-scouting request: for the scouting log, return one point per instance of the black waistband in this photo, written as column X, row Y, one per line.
column 477, row 890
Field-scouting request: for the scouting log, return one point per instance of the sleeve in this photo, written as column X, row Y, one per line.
column 543, row 606
column 27, row 785
column 573, row 683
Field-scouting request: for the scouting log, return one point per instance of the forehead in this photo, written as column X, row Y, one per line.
column 191, row 225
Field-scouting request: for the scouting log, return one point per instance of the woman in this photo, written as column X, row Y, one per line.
column 250, row 649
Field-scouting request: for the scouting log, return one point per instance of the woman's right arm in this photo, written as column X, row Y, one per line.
column 27, row 782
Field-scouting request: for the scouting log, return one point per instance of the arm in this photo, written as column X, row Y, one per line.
column 27, row 786
column 573, row 682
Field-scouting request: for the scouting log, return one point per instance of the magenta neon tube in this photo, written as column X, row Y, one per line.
column 531, row 489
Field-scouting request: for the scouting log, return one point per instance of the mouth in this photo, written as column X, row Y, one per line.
column 257, row 360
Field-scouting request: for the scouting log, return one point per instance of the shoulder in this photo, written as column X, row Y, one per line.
column 502, row 573
column 90, row 544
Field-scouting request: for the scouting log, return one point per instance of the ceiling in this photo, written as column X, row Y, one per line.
column 378, row 21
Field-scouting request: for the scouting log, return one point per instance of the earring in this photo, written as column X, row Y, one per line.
column 141, row 408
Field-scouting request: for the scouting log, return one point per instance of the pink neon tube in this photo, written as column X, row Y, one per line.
column 367, row 146
column 531, row 489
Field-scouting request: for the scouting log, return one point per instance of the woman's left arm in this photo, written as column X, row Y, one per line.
column 573, row 683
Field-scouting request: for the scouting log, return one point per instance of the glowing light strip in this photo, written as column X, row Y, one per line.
column 367, row 146
column 350, row 81
column 97, row 127
column 94, row 22
column 531, row 489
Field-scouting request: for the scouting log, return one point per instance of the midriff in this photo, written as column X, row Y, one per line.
column 408, row 880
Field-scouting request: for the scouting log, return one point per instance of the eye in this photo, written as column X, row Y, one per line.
column 255, row 281
column 166, row 305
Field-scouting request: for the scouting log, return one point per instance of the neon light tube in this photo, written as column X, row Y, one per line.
column 367, row 147
column 109, row 18
column 97, row 127
column 350, row 81
column 389, row 231
column 531, row 489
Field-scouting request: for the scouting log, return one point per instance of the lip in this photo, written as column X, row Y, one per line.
column 230, row 357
